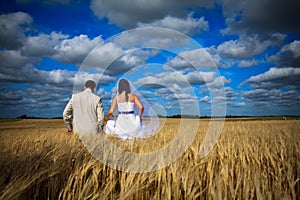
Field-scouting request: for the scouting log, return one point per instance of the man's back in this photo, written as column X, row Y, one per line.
column 85, row 116
column 87, row 112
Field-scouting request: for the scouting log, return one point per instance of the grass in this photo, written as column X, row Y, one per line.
column 256, row 159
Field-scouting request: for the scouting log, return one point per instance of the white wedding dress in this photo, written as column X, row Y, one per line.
column 127, row 125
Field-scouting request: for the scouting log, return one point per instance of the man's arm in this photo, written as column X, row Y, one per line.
column 67, row 115
column 100, row 116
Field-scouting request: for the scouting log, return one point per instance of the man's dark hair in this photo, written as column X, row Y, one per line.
column 90, row 84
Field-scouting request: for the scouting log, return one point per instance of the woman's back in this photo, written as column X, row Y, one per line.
column 126, row 107
column 128, row 123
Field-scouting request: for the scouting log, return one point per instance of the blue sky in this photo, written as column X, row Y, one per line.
column 207, row 57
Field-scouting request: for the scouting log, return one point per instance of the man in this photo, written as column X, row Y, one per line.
column 87, row 108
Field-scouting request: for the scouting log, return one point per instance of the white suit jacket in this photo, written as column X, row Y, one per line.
column 88, row 114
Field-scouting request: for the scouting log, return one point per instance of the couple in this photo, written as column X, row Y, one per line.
column 88, row 113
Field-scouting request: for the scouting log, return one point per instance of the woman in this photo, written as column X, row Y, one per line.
column 127, row 125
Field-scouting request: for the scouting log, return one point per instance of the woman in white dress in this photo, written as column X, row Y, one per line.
column 127, row 125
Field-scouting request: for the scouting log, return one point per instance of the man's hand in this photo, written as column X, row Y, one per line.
column 69, row 132
column 99, row 128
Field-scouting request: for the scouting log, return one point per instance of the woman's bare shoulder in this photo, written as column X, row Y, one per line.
column 132, row 97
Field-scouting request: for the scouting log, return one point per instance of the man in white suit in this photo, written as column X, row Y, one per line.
column 87, row 108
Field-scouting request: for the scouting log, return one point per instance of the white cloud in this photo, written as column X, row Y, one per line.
column 238, row 104
column 266, row 97
column 247, row 63
column 248, row 46
column 230, row 93
column 289, row 55
column 25, row 74
column 24, row 47
column 164, row 79
column 178, row 96
column 74, row 50
column 218, row 82
column 102, row 56
column 10, row 95
column 205, row 99
column 57, row 76
column 218, row 60
column 276, row 78
column 135, row 58
column 113, row 60
column 169, row 79
column 188, row 26
column 37, row 100
column 13, row 29
column 99, row 78
column 195, row 59
column 293, row 47
column 11, row 60
column 151, row 37
column 29, row 74
column 49, row 91
column 129, row 13
column 42, row 45
column 102, row 93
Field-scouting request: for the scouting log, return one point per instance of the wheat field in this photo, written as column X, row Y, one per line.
column 253, row 159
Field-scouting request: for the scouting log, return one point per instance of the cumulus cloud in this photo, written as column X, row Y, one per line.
column 39, row 100
column 276, row 78
column 247, row 63
column 111, row 59
column 168, row 79
column 74, row 50
column 13, row 29
column 262, row 16
column 205, row 99
column 49, row 91
column 18, row 65
column 11, row 60
column 236, row 104
column 10, row 95
column 195, row 59
column 42, row 45
column 218, row 82
column 25, row 48
column 128, row 14
column 266, row 97
column 102, row 56
column 151, row 37
column 289, row 55
column 218, row 60
column 188, row 26
column 65, row 78
column 164, row 79
column 230, row 93
column 249, row 45
column 130, row 61
column 26, row 74
column 29, row 74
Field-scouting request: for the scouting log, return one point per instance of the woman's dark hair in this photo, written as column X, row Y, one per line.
column 124, row 86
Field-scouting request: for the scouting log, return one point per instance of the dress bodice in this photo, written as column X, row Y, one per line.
column 126, row 107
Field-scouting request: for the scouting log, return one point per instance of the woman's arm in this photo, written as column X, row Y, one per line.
column 140, row 106
column 112, row 108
